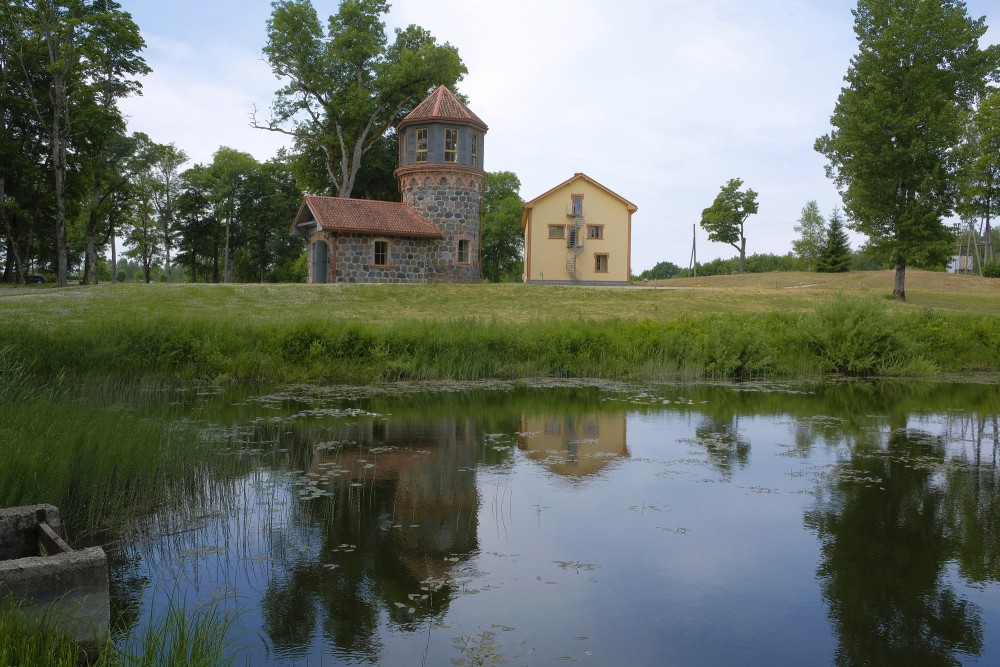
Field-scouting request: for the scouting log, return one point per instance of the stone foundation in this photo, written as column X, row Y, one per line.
column 68, row 589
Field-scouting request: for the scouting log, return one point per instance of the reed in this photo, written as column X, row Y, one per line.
column 175, row 636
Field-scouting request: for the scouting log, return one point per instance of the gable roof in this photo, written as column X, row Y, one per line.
column 442, row 105
column 363, row 216
column 632, row 208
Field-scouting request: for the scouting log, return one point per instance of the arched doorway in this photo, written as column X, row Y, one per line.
column 320, row 262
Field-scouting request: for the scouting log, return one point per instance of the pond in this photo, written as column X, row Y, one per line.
column 807, row 524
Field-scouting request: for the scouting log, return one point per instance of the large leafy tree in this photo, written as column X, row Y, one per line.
column 345, row 87
column 74, row 59
column 812, row 234
column 898, row 121
column 166, row 181
column 724, row 220
column 268, row 201
column 502, row 238
column 197, row 225
column 229, row 173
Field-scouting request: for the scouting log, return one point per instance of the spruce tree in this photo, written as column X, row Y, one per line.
column 836, row 254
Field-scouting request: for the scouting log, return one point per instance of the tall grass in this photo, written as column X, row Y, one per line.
column 238, row 335
column 173, row 637
column 104, row 464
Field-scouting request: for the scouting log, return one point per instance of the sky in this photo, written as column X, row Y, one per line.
column 661, row 101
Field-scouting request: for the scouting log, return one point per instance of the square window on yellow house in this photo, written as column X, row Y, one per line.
column 595, row 231
column 600, row 263
column 557, row 231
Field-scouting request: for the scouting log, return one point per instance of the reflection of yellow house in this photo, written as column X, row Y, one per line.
column 578, row 232
column 574, row 446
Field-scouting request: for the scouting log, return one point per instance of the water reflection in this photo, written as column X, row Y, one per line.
column 419, row 522
column 398, row 509
column 886, row 542
column 575, row 445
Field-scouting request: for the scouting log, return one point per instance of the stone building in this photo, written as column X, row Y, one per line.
column 433, row 234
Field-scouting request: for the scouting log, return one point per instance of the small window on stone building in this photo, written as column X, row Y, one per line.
column 464, row 245
column 601, row 263
column 475, row 149
column 557, row 231
column 451, row 145
column 381, row 253
column 421, row 144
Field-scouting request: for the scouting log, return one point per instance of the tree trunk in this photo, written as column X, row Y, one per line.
column 90, row 268
column 898, row 289
column 114, row 254
column 227, row 271
column 58, row 137
column 12, row 253
column 743, row 254
column 166, row 250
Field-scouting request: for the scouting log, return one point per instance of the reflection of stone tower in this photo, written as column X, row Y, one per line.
column 441, row 177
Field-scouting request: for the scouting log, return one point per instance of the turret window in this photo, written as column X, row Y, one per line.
column 451, row 145
column 475, row 149
column 421, row 144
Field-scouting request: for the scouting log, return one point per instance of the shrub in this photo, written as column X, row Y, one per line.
column 852, row 336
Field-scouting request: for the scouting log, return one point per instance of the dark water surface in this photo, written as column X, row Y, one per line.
column 664, row 525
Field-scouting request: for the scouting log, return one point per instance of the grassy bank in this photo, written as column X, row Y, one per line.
column 771, row 325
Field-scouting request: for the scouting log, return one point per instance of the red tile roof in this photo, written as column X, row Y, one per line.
column 442, row 105
column 363, row 216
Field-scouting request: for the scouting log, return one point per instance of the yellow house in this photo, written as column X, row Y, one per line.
column 578, row 232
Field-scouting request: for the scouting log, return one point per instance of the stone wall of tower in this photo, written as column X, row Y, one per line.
column 450, row 198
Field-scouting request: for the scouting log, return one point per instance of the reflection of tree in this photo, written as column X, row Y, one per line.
column 721, row 440
column 885, row 544
column 390, row 531
column 974, row 502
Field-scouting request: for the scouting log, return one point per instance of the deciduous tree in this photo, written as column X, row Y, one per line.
column 345, row 87
column 725, row 218
column 502, row 238
column 812, row 234
column 898, row 121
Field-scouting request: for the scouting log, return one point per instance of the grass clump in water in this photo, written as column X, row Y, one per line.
column 173, row 638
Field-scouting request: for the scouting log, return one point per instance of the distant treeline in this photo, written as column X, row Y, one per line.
column 758, row 263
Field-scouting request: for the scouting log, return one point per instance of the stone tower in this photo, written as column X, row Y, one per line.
column 441, row 177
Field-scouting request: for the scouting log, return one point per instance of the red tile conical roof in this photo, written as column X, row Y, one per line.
column 442, row 105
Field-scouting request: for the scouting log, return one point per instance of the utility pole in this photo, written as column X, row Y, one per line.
column 693, row 266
